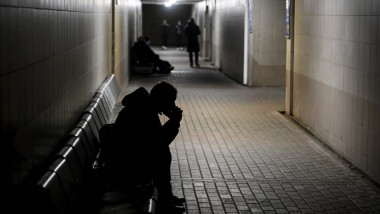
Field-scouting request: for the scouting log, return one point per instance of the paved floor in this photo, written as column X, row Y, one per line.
column 236, row 153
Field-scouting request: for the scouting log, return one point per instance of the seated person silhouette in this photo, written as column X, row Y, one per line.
column 140, row 150
column 143, row 54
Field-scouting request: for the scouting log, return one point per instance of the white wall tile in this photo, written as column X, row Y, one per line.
column 356, row 56
column 371, row 87
column 374, row 59
column 361, row 56
column 377, row 70
column 377, row 89
column 367, row 57
column 5, row 2
column 34, row 37
column 360, row 84
column 374, row 4
column 4, row 38
column 352, row 56
column 368, row 7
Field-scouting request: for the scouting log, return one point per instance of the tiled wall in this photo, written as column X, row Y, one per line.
column 200, row 19
column 54, row 56
column 268, row 45
column 204, row 15
column 127, row 29
column 337, row 76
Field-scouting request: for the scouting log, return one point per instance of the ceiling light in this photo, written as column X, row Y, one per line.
column 168, row 4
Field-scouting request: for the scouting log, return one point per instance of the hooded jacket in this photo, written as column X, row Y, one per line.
column 141, row 148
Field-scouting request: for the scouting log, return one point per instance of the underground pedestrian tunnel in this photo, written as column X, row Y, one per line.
column 281, row 116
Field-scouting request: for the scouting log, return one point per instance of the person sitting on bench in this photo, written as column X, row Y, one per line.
column 139, row 150
column 145, row 55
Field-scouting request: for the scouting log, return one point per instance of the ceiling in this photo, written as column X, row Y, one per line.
column 163, row 1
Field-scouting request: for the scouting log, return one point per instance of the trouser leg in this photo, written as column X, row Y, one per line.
column 163, row 180
column 191, row 58
column 196, row 58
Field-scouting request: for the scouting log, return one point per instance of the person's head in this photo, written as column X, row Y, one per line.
column 163, row 96
column 179, row 22
column 191, row 20
column 141, row 39
column 164, row 21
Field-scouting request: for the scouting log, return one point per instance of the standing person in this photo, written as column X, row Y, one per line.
column 192, row 32
column 142, row 143
column 164, row 30
column 179, row 34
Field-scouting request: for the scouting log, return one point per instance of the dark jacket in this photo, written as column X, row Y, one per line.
column 164, row 30
column 142, row 53
column 141, row 148
column 179, row 30
column 192, row 32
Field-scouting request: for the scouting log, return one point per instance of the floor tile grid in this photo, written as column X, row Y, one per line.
column 201, row 194
column 299, row 202
column 241, row 156
column 239, row 194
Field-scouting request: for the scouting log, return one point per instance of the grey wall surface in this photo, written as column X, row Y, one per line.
column 229, row 37
column 337, row 77
column 267, row 54
column 200, row 19
column 266, row 43
column 127, row 21
column 54, row 56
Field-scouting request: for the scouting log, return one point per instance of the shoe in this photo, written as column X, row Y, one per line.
column 178, row 201
column 197, row 65
column 173, row 210
column 164, row 48
column 170, row 209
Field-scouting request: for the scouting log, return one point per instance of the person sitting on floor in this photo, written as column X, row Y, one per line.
column 144, row 55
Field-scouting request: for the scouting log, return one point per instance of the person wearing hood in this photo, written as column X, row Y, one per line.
column 141, row 150
column 192, row 32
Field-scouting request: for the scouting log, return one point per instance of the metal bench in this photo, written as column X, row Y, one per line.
column 74, row 181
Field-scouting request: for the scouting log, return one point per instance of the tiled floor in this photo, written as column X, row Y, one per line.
column 236, row 153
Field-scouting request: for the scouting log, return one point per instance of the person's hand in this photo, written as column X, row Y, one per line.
column 175, row 114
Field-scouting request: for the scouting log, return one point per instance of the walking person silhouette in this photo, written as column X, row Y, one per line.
column 192, row 32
